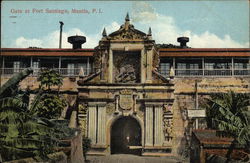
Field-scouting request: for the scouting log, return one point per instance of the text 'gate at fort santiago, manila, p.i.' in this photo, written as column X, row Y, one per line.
column 126, row 106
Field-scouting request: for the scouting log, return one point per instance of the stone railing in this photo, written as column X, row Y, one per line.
column 208, row 72
column 62, row 71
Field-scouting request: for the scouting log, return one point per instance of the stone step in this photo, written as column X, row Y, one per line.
column 157, row 154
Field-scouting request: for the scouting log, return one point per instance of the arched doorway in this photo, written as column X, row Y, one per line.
column 125, row 132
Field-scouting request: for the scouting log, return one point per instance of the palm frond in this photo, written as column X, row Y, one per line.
column 12, row 153
column 36, row 102
column 228, row 112
column 12, row 102
column 12, row 82
column 244, row 135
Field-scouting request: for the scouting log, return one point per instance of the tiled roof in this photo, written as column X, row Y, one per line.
column 209, row 52
column 164, row 52
column 211, row 137
column 46, row 52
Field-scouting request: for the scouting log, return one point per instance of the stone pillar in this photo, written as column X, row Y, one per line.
column 149, row 66
column 88, row 67
column 203, row 66
column 101, row 136
column 31, row 62
column 92, row 123
column 232, row 68
column 72, row 121
column 158, row 134
column 143, row 68
column 59, row 64
column 149, row 126
column 102, row 65
column 110, row 76
column 116, row 104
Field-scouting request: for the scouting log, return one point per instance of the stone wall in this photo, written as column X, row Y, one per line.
column 182, row 85
column 76, row 153
column 69, row 84
column 212, row 85
column 185, row 99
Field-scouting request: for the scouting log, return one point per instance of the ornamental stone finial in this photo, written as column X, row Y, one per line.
column 104, row 33
column 149, row 35
column 171, row 73
column 127, row 17
column 127, row 22
column 149, row 32
column 81, row 73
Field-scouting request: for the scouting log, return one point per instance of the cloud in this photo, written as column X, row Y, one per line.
column 52, row 40
column 165, row 30
column 143, row 12
column 210, row 40
column 114, row 26
column 23, row 42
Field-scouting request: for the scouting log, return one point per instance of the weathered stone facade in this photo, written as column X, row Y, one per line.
column 125, row 88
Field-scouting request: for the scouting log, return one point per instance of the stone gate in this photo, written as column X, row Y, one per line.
column 127, row 91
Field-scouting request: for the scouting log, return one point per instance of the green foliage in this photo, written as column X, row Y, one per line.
column 229, row 112
column 10, row 87
column 86, row 144
column 50, row 106
column 22, row 133
column 46, row 104
column 61, row 129
column 49, row 78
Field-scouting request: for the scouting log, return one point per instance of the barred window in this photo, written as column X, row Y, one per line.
column 164, row 68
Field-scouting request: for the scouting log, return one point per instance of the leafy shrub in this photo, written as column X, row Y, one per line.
column 50, row 106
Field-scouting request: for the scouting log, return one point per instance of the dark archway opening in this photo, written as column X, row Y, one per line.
column 126, row 134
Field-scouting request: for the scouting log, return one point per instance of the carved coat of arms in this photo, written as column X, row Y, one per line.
column 126, row 99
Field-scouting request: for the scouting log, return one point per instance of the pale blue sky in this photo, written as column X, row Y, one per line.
column 227, row 22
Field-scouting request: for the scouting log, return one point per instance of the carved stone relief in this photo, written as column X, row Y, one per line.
column 126, row 74
column 128, row 35
column 110, row 108
column 126, row 67
column 156, row 59
column 168, row 125
column 82, row 117
column 126, row 99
